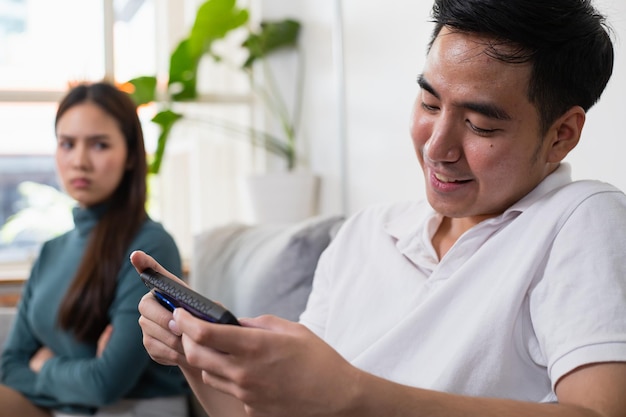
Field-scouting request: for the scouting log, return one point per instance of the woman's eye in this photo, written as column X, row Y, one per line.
column 100, row 145
column 65, row 144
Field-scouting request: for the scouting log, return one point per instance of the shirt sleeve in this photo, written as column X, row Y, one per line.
column 317, row 309
column 95, row 382
column 314, row 315
column 579, row 306
column 21, row 344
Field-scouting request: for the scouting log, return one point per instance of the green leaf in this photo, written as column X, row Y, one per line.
column 166, row 120
column 214, row 19
column 273, row 36
column 143, row 90
column 183, row 75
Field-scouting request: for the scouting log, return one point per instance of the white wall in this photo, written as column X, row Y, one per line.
column 384, row 45
column 600, row 154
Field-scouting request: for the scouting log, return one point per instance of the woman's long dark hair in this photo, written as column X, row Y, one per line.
column 84, row 310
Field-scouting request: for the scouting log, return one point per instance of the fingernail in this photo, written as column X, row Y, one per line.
column 174, row 328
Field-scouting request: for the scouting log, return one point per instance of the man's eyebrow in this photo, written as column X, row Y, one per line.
column 425, row 85
column 486, row 109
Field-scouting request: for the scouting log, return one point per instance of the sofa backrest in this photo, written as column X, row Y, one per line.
column 261, row 269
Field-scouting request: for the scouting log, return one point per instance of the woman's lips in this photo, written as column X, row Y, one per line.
column 80, row 183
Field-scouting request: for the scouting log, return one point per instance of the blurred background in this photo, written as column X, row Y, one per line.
column 352, row 82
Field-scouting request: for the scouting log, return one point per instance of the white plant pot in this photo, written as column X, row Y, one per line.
column 285, row 197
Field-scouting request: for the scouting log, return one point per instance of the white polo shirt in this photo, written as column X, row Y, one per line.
column 519, row 300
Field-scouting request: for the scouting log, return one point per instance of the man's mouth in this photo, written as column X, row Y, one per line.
column 446, row 179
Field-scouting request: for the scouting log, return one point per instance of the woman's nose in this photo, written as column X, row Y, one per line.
column 80, row 157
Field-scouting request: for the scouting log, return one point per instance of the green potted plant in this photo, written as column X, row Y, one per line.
column 214, row 20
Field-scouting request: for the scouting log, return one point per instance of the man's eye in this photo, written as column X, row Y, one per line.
column 429, row 108
column 480, row 131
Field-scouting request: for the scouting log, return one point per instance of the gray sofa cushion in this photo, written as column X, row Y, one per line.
column 7, row 315
column 260, row 269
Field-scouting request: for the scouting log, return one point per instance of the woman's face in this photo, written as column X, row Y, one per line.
column 91, row 154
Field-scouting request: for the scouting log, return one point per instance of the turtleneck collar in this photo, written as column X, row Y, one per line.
column 85, row 218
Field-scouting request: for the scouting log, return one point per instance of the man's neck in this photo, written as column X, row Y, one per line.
column 450, row 230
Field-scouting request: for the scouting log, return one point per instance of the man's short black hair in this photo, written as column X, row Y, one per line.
column 567, row 42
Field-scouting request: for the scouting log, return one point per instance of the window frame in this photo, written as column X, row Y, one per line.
column 172, row 20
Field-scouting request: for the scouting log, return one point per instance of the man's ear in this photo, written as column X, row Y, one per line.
column 564, row 133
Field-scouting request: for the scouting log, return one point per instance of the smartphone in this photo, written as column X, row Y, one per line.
column 172, row 295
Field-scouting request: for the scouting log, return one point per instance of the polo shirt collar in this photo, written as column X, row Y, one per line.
column 559, row 178
column 410, row 230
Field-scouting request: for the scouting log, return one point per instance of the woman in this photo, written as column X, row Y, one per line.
column 75, row 346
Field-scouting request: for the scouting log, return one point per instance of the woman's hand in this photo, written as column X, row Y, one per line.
column 39, row 359
column 103, row 340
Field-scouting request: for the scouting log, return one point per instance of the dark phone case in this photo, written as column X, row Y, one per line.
column 171, row 295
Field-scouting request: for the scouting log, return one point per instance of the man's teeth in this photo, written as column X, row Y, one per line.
column 443, row 178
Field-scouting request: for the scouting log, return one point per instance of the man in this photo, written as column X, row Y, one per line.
column 502, row 295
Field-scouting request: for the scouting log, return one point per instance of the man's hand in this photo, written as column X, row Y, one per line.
column 274, row 366
column 160, row 339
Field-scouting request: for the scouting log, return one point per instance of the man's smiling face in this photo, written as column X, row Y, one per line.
column 476, row 134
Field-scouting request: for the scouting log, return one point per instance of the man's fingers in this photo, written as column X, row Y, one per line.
column 152, row 310
column 142, row 261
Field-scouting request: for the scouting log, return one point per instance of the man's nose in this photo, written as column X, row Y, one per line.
column 444, row 144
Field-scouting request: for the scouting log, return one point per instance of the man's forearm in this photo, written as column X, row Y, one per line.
column 380, row 397
column 589, row 391
column 215, row 403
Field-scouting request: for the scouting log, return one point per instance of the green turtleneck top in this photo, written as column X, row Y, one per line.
column 75, row 380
